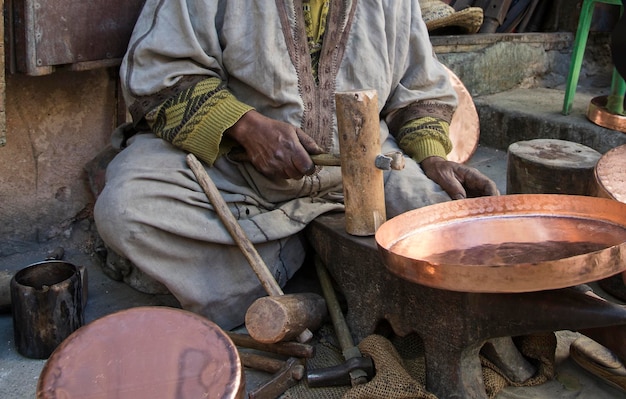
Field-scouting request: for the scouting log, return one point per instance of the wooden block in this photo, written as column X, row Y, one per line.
column 549, row 166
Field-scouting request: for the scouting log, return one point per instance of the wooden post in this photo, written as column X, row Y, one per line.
column 359, row 144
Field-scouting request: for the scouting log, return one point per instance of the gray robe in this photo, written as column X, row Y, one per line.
column 153, row 212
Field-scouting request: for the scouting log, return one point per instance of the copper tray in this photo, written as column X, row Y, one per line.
column 509, row 243
column 610, row 174
column 598, row 114
column 145, row 352
column 465, row 125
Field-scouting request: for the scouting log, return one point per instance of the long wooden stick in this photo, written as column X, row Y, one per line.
column 239, row 236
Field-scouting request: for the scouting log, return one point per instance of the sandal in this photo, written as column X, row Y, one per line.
column 599, row 361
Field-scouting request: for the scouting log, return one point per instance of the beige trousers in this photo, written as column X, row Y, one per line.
column 153, row 212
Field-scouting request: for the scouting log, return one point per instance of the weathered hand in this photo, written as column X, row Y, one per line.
column 276, row 149
column 458, row 180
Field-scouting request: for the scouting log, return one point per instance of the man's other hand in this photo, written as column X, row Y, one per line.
column 458, row 180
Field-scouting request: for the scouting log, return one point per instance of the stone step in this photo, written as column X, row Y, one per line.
column 526, row 114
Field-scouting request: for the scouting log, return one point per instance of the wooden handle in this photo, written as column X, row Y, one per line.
column 325, row 159
column 260, row 362
column 239, row 236
column 293, row 349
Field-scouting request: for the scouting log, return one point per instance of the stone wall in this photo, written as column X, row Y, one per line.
column 55, row 124
column 493, row 63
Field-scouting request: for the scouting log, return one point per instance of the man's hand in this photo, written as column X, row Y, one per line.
column 458, row 180
column 276, row 149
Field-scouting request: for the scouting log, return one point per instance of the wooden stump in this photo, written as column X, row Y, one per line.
column 549, row 166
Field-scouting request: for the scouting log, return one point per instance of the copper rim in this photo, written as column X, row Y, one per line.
column 507, row 243
column 465, row 125
column 598, row 114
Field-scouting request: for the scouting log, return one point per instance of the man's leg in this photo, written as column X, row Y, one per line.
column 153, row 212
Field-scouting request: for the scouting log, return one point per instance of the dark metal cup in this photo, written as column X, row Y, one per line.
column 47, row 306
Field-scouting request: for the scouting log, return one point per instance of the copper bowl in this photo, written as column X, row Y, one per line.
column 508, row 243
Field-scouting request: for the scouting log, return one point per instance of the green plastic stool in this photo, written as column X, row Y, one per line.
column 615, row 102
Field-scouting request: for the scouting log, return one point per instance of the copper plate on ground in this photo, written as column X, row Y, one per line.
column 508, row 243
column 610, row 174
column 145, row 352
column 465, row 125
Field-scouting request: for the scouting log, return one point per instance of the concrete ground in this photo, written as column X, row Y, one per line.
column 19, row 375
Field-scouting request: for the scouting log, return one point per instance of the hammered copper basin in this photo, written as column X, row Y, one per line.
column 509, row 243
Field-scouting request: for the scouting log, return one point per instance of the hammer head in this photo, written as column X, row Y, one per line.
column 354, row 371
column 289, row 375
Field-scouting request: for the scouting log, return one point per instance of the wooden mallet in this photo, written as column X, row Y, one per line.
column 247, row 248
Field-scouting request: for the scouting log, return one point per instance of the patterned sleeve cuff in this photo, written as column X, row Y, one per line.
column 196, row 119
column 425, row 137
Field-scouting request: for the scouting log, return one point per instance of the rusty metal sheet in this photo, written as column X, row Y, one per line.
column 508, row 243
column 80, row 33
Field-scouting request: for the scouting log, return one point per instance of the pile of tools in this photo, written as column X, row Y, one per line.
column 274, row 321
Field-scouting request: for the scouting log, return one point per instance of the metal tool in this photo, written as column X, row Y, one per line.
column 357, row 369
column 288, row 375
column 391, row 160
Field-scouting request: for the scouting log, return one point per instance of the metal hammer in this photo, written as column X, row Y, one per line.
column 357, row 369
column 289, row 374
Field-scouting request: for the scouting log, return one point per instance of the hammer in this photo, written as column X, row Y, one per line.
column 285, row 374
column 277, row 318
column 239, row 236
column 357, row 369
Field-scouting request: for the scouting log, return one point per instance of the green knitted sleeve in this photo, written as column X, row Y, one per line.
column 196, row 119
column 425, row 137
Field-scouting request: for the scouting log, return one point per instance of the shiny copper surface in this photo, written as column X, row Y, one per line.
column 610, row 174
column 598, row 114
column 509, row 243
column 465, row 126
column 145, row 352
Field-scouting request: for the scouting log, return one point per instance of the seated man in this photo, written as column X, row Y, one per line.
column 204, row 77
column 207, row 76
